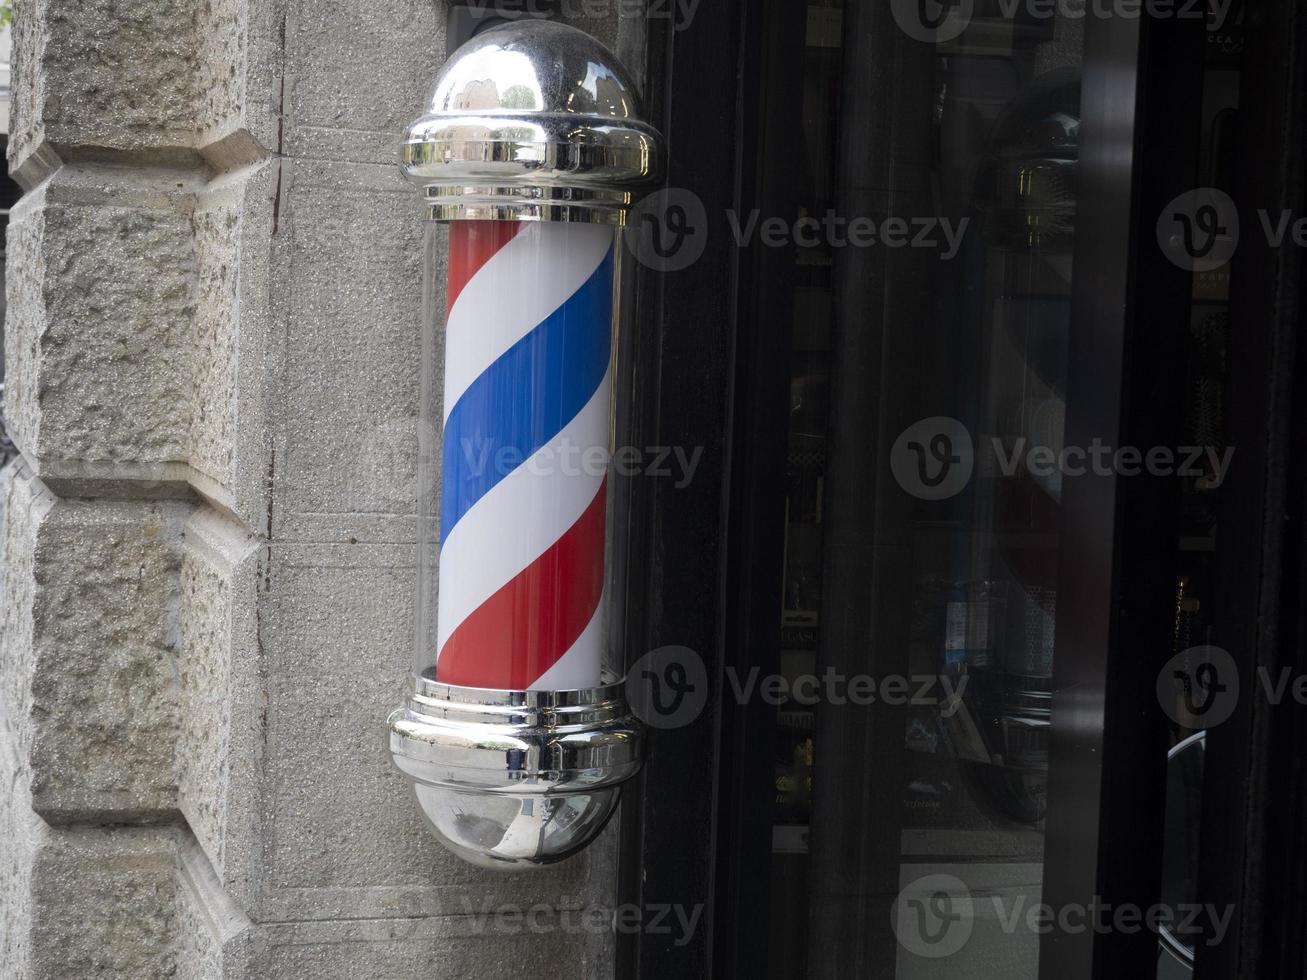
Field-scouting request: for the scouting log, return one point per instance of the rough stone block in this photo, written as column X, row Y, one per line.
column 103, row 904
column 99, row 328
column 228, row 445
column 420, row 949
column 307, row 357
column 89, row 636
column 21, row 835
column 494, row 938
column 221, row 700
column 213, row 936
column 238, row 80
column 85, row 902
column 26, row 506
column 357, row 76
column 100, row 74
column 150, row 79
column 348, row 288
column 337, row 623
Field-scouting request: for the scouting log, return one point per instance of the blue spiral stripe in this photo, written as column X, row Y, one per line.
column 526, row 397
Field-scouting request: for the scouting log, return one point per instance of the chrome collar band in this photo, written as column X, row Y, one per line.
column 512, row 779
column 526, row 203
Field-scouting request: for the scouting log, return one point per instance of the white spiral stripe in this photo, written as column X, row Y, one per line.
column 523, row 515
column 521, row 285
column 576, row 668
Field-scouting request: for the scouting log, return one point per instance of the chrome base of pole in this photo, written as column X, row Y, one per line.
column 516, row 779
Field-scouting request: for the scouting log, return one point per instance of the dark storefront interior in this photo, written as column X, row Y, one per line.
column 1045, row 311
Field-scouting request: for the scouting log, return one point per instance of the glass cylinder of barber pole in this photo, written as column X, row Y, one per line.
column 526, row 423
column 518, row 733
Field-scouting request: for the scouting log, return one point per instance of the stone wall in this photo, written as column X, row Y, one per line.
column 207, row 545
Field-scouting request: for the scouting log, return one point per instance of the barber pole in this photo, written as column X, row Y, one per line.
column 518, row 734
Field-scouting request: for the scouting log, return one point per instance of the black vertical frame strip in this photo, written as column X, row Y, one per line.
column 885, row 159
column 772, row 78
column 684, row 329
column 1140, row 131
column 1253, row 842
